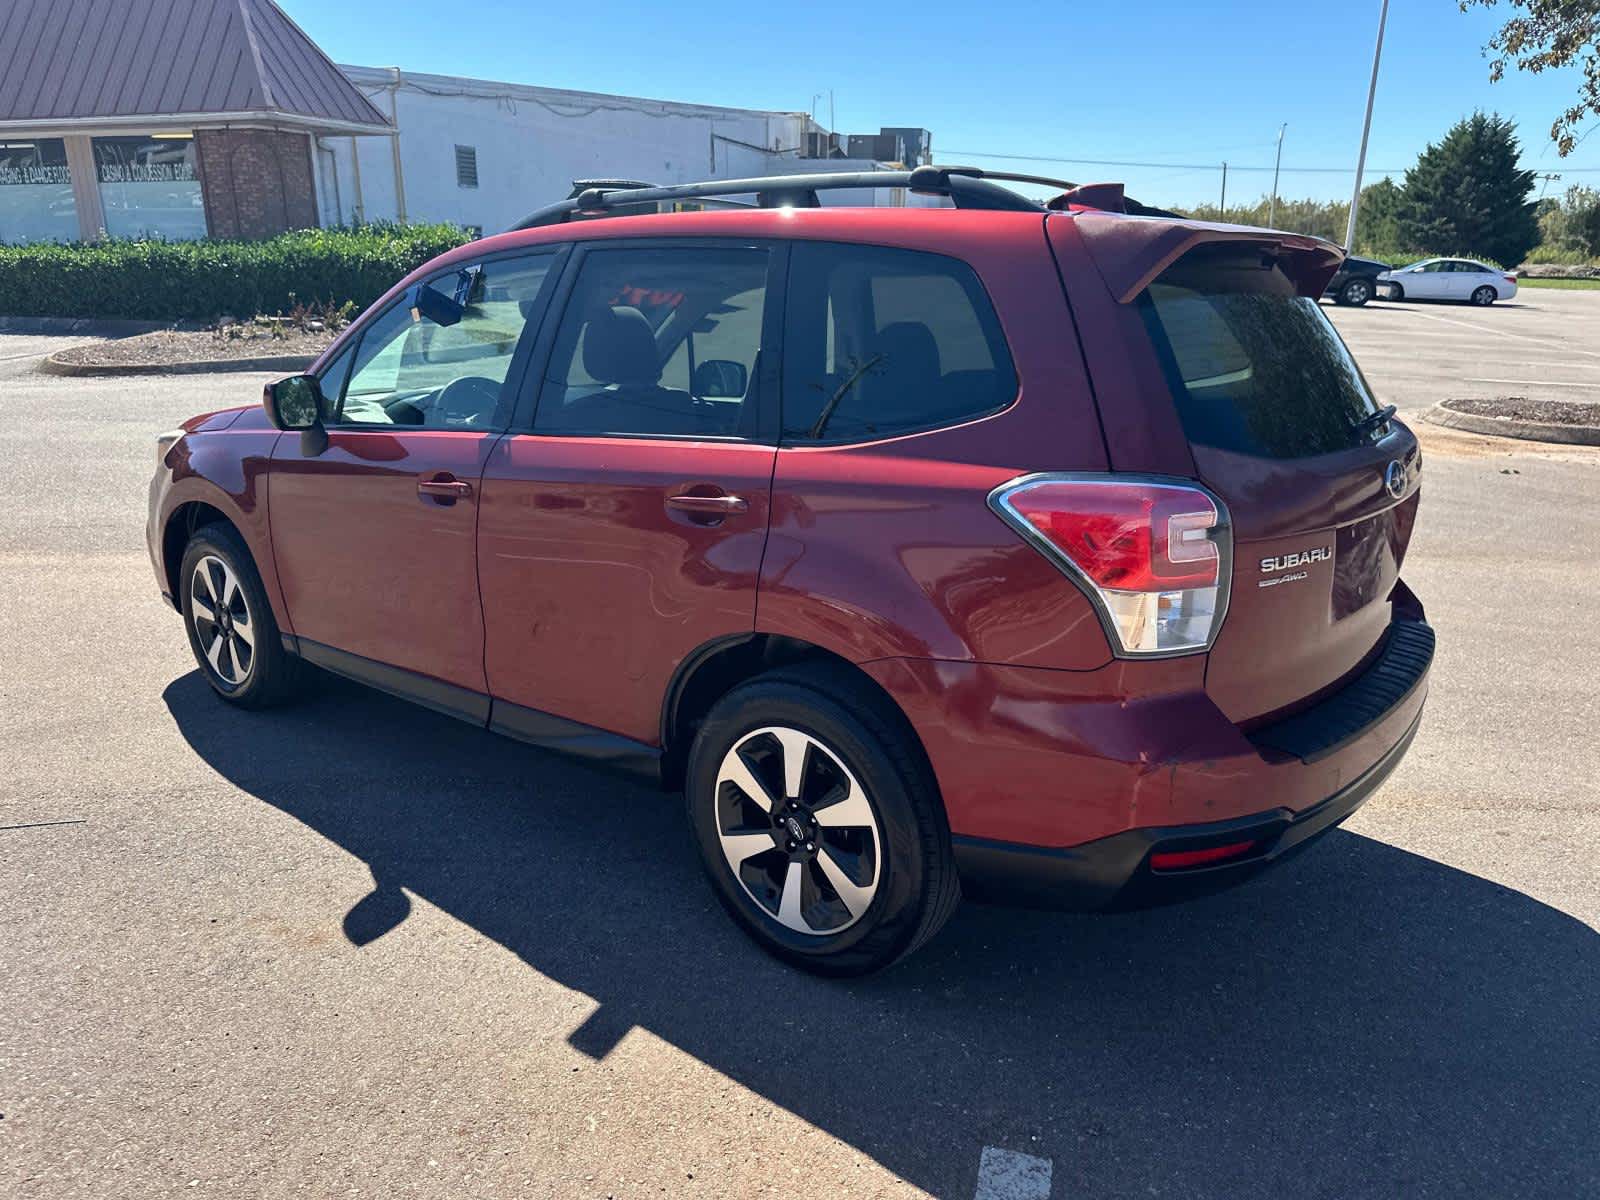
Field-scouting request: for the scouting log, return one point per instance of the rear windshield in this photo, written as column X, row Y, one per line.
column 1254, row 367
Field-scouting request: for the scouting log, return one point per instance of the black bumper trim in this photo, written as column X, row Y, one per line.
column 1114, row 873
column 1336, row 721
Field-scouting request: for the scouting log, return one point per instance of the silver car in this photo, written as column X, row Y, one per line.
column 1448, row 279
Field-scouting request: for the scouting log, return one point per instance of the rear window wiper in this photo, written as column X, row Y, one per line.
column 1373, row 420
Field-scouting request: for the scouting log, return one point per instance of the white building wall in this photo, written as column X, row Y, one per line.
column 532, row 143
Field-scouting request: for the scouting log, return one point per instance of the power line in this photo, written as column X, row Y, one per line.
column 1211, row 166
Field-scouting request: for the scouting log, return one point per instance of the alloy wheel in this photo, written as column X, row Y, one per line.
column 1358, row 291
column 797, row 830
column 222, row 620
column 1483, row 296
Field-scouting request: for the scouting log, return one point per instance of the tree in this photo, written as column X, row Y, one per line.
column 1551, row 34
column 1377, row 221
column 1466, row 195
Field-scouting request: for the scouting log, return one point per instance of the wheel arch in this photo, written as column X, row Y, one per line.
column 716, row 667
column 180, row 526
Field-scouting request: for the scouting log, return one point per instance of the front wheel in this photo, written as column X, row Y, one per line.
column 818, row 822
column 1356, row 292
column 1396, row 292
column 1484, row 296
column 230, row 624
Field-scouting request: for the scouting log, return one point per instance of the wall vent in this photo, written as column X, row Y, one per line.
column 467, row 166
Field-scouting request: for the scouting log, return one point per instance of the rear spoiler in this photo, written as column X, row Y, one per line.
column 1129, row 252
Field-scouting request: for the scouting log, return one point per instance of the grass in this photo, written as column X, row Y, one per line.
column 1576, row 284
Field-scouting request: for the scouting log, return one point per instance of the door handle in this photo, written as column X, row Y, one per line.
column 445, row 488
column 716, row 506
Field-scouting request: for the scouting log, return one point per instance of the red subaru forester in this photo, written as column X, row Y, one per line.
column 1045, row 552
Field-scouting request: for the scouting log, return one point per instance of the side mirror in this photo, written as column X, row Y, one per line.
column 720, row 377
column 294, row 404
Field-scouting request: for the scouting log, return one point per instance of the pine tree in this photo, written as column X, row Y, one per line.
column 1466, row 196
column 1377, row 225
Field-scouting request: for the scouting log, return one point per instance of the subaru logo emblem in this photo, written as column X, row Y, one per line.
column 1394, row 479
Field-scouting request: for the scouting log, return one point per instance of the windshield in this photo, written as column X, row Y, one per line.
column 1421, row 262
column 1254, row 367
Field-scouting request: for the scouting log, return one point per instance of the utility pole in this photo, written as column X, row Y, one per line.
column 1222, row 205
column 1272, row 212
column 1548, row 180
column 1366, row 128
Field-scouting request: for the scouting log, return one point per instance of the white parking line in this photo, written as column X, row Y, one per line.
column 1537, row 383
column 1505, row 333
column 1007, row 1175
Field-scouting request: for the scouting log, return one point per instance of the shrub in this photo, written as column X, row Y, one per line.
column 174, row 281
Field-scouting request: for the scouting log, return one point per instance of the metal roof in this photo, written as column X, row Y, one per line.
column 115, row 61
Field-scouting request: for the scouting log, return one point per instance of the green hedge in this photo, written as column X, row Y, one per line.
column 174, row 281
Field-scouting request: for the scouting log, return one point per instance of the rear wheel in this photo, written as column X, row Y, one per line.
column 1356, row 292
column 230, row 624
column 819, row 824
column 1484, row 295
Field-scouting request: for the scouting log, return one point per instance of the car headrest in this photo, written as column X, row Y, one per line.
column 620, row 347
column 910, row 355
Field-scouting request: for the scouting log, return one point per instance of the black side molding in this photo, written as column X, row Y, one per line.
column 459, row 702
column 1335, row 722
column 599, row 747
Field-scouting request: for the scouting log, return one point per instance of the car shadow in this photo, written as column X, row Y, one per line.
column 1362, row 1022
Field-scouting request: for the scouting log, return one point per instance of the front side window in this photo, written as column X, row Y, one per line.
column 658, row 341
column 882, row 341
column 439, row 359
column 1254, row 367
column 149, row 187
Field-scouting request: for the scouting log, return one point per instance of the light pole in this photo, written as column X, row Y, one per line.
column 1366, row 128
column 1272, row 212
column 1222, row 205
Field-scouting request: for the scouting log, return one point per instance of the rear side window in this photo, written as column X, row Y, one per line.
column 1254, row 367
column 881, row 341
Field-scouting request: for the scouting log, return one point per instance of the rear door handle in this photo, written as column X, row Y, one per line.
column 444, row 488
column 717, row 506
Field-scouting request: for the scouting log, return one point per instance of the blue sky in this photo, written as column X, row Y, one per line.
column 1159, row 82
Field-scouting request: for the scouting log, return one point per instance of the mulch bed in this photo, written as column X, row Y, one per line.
column 198, row 345
column 1520, row 408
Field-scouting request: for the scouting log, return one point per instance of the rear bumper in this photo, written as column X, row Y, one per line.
column 1060, row 785
column 1115, row 873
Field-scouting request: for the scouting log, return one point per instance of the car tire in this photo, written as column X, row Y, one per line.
column 1355, row 292
column 859, row 871
column 230, row 625
column 1484, row 296
column 1396, row 292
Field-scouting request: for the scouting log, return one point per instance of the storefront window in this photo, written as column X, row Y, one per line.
column 36, row 192
column 149, row 187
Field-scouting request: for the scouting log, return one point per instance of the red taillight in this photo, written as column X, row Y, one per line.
column 1511, row 279
column 1152, row 552
column 1178, row 860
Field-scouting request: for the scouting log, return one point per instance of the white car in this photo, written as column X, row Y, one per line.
column 1448, row 279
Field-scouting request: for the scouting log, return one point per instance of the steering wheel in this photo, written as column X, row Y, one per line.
column 467, row 400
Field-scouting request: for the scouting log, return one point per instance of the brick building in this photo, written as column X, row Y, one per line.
column 176, row 118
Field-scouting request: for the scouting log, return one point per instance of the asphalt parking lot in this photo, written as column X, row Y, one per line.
column 356, row 948
column 1543, row 345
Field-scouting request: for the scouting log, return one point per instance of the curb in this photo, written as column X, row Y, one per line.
column 1528, row 431
column 282, row 362
column 90, row 326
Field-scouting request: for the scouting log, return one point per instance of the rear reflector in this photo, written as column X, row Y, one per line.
column 1154, row 555
column 1178, row 860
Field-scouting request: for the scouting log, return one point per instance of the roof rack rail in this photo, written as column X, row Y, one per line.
column 967, row 187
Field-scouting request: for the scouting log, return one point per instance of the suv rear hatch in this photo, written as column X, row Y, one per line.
column 1279, row 422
